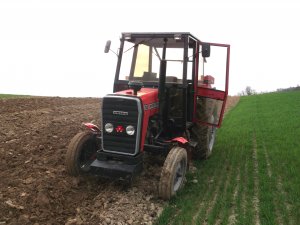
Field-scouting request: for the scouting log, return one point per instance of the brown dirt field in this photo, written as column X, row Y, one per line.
column 35, row 188
column 231, row 102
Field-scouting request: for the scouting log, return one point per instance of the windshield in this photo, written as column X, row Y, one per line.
column 141, row 60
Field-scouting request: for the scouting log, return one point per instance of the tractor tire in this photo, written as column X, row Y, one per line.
column 81, row 153
column 205, row 136
column 173, row 173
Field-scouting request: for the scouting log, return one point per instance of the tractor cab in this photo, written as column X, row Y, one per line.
column 178, row 65
column 169, row 97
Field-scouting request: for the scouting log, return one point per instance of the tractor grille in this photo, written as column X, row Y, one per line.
column 121, row 111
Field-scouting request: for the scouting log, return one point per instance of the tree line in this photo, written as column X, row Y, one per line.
column 250, row 91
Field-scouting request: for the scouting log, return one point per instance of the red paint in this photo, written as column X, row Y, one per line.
column 181, row 140
column 92, row 127
column 211, row 93
column 119, row 129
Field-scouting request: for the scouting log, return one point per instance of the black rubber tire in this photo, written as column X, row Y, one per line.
column 173, row 173
column 205, row 136
column 202, row 134
column 81, row 152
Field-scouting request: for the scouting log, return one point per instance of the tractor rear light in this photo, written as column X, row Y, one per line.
column 130, row 130
column 109, row 127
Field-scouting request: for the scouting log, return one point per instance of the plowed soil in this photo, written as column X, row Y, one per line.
column 34, row 186
column 231, row 102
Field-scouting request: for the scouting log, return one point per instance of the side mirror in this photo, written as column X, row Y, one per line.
column 205, row 50
column 107, row 46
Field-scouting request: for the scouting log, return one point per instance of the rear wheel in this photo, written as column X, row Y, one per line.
column 205, row 136
column 81, row 153
column 202, row 134
column 173, row 173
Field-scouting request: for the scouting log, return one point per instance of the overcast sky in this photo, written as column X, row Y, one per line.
column 55, row 48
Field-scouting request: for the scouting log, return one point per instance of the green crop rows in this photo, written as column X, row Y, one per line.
column 11, row 96
column 253, row 176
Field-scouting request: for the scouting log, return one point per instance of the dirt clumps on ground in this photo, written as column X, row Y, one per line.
column 231, row 102
column 35, row 188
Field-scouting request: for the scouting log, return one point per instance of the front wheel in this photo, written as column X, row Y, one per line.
column 173, row 173
column 81, row 153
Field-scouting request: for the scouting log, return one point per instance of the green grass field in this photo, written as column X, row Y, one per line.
column 12, row 96
column 253, row 176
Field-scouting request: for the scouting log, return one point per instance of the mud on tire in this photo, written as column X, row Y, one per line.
column 205, row 136
column 202, row 134
column 81, row 153
column 173, row 173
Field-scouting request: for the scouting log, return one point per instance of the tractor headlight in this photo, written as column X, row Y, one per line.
column 130, row 130
column 109, row 127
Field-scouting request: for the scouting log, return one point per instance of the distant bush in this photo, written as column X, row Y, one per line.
column 248, row 91
column 288, row 89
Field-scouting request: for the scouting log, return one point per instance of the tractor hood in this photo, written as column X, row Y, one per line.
column 147, row 95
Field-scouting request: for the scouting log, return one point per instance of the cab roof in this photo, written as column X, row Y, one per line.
column 175, row 39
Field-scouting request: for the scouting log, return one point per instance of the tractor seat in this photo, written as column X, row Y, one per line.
column 171, row 79
column 149, row 76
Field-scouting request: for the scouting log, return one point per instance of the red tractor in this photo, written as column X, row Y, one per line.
column 162, row 103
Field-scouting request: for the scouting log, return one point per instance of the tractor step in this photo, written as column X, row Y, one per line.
column 115, row 169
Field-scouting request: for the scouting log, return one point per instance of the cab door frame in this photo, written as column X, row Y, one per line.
column 208, row 92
